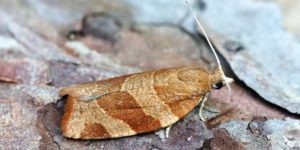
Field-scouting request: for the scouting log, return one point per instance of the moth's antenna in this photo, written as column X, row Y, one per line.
column 226, row 79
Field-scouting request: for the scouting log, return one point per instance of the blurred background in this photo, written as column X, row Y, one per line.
column 49, row 44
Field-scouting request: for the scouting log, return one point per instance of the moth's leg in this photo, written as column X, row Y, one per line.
column 204, row 99
column 168, row 130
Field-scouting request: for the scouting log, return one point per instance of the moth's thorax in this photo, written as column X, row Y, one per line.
column 182, row 82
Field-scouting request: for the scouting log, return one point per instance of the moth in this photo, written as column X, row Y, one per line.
column 137, row 103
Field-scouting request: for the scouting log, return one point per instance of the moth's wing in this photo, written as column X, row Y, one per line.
column 124, row 106
column 118, row 114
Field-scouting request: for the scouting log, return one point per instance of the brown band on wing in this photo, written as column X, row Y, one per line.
column 117, row 101
column 94, row 130
column 68, row 111
column 183, row 107
column 173, row 93
column 124, row 107
column 140, row 86
column 179, row 105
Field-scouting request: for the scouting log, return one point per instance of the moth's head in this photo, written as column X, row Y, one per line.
column 219, row 80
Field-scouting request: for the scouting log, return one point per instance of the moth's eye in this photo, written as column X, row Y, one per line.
column 218, row 85
column 73, row 35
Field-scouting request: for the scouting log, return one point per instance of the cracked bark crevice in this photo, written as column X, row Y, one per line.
column 47, row 141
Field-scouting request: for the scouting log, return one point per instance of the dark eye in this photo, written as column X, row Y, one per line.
column 74, row 34
column 218, row 85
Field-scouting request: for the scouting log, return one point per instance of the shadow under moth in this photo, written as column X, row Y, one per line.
column 137, row 103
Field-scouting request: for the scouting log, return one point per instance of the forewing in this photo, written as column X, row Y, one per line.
column 123, row 106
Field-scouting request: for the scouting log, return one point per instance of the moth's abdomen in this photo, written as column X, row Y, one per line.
column 130, row 107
